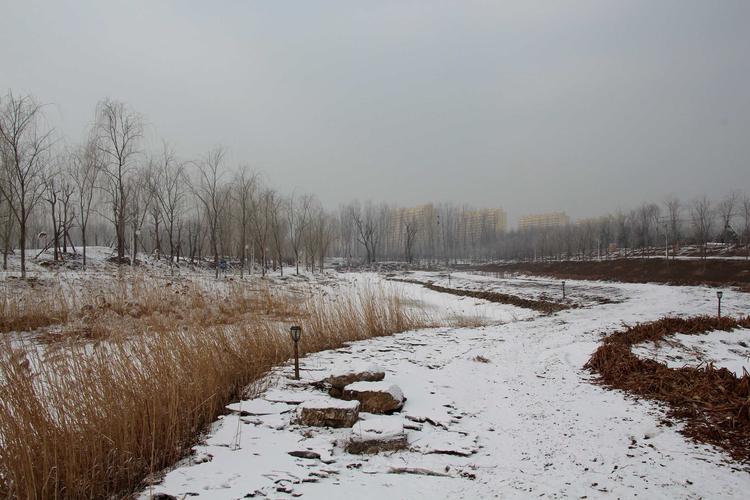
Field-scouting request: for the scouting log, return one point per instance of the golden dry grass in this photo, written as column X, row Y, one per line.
column 145, row 368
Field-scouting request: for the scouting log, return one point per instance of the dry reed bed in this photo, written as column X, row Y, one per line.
column 95, row 419
column 713, row 403
column 93, row 310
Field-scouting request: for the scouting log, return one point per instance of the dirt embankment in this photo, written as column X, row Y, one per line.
column 544, row 306
column 677, row 272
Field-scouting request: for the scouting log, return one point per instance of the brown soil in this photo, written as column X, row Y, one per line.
column 544, row 306
column 716, row 272
column 714, row 404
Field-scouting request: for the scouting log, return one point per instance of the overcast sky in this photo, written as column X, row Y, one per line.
column 584, row 106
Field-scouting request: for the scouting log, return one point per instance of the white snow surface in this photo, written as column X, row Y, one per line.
column 381, row 427
column 322, row 403
column 528, row 423
column 730, row 350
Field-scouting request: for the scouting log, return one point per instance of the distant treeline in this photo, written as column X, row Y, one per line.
column 112, row 190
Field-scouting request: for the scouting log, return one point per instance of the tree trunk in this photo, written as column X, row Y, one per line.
column 83, row 241
column 22, row 243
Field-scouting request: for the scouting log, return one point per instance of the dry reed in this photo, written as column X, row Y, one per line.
column 95, row 418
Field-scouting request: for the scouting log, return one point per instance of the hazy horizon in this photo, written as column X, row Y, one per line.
column 583, row 107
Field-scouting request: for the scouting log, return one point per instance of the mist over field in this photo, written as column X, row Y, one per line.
column 584, row 107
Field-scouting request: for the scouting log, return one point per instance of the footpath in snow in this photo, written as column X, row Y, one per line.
column 503, row 410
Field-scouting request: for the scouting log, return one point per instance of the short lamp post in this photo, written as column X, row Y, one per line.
column 296, row 333
column 563, row 289
column 718, row 296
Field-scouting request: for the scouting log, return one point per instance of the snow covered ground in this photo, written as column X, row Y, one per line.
column 730, row 350
column 503, row 410
column 584, row 293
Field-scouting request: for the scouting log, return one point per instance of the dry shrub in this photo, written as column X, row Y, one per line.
column 713, row 403
column 94, row 419
column 28, row 308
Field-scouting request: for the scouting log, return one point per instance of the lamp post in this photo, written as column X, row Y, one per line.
column 563, row 289
column 718, row 296
column 296, row 333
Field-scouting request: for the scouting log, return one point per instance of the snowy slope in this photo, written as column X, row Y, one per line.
column 528, row 423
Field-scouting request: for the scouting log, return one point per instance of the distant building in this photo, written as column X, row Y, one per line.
column 478, row 221
column 552, row 219
column 434, row 225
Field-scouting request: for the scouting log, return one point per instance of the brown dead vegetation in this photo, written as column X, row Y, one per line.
column 84, row 418
column 713, row 403
column 544, row 306
column 137, row 303
column 716, row 272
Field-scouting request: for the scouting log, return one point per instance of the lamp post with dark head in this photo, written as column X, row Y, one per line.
column 296, row 332
column 718, row 296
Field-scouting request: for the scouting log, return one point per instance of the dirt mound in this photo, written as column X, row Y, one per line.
column 713, row 403
column 677, row 272
column 544, row 306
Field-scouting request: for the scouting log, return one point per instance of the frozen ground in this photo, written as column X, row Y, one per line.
column 527, row 423
column 730, row 350
column 580, row 293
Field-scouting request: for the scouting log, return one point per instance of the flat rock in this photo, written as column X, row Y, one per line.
column 377, row 435
column 375, row 397
column 328, row 412
column 290, row 397
column 305, row 454
column 255, row 407
column 339, row 380
column 447, row 443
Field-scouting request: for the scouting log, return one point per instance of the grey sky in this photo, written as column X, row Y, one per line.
column 532, row 105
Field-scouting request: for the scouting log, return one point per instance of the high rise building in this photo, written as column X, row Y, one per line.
column 552, row 219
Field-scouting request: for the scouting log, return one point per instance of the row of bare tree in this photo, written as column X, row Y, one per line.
column 150, row 201
column 651, row 226
column 110, row 189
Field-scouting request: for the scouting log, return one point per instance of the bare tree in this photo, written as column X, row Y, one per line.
column 369, row 227
column 674, row 209
column 245, row 184
column 170, row 194
column 298, row 218
column 26, row 143
column 277, row 229
column 140, row 202
column 702, row 217
column 726, row 210
column 52, row 195
column 411, row 229
column 262, row 206
column 320, row 236
column 119, row 131
column 85, row 166
column 212, row 196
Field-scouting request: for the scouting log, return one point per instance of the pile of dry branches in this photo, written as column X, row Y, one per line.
column 713, row 403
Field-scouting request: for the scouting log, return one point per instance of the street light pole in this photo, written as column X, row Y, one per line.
column 296, row 332
column 718, row 296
